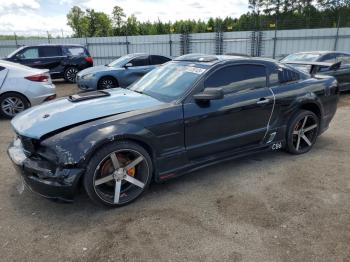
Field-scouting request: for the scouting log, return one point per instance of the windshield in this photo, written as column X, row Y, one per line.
column 121, row 61
column 302, row 57
column 169, row 82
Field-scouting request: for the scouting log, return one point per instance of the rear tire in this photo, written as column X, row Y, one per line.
column 12, row 103
column 70, row 74
column 118, row 174
column 107, row 82
column 302, row 131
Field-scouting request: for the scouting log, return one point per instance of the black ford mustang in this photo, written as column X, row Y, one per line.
column 192, row 112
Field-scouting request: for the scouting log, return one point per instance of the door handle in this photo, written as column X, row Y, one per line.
column 262, row 101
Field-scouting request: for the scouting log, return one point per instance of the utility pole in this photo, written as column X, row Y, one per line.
column 337, row 33
column 16, row 39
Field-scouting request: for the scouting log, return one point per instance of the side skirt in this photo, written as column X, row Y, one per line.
column 212, row 160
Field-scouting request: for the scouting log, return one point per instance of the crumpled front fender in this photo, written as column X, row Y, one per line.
column 76, row 146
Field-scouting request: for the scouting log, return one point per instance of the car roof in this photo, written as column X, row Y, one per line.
column 39, row 45
column 211, row 60
column 142, row 54
column 322, row 52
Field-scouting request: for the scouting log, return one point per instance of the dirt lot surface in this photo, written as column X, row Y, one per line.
column 270, row 207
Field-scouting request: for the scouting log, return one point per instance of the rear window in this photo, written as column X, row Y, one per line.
column 344, row 59
column 157, row 60
column 305, row 57
column 50, row 51
column 283, row 76
column 328, row 58
column 75, row 51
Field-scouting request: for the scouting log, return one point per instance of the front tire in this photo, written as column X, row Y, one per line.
column 11, row 104
column 302, row 131
column 107, row 83
column 118, row 174
column 70, row 74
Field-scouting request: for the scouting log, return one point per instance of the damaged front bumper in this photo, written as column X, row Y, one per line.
column 41, row 177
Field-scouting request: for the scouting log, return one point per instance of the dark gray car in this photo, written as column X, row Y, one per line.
column 119, row 73
column 342, row 74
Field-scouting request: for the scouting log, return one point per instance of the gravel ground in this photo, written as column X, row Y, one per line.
column 267, row 207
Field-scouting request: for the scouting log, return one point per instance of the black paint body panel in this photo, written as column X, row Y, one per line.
column 186, row 135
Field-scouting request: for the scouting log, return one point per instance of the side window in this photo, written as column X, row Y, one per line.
column 344, row 59
column 237, row 78
column 29, row 53
column 158, row 60
column 283, row 76
column 50, row 51
column 140, row 61
column 74, row 51
column 329, row 58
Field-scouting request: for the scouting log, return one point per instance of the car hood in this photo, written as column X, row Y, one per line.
column 62, row 113
column 96, row 69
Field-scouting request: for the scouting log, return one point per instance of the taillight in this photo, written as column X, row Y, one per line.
column 38, row 78
column 89, row 59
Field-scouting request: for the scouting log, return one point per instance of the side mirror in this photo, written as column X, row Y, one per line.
column 128, row 65
column 18, row 57
column 209, row 94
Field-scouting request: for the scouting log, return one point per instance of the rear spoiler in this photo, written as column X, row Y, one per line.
column 315, row 66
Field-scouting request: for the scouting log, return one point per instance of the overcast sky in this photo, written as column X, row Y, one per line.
column 34, row 17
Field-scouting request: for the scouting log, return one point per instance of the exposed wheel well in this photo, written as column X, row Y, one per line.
column 147, row 147
column 14, row 92
column 313, row 108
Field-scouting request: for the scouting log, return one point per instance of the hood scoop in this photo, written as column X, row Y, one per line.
column 62, row 113
column 87, row 96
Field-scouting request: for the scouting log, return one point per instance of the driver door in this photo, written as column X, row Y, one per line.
column 238, row 120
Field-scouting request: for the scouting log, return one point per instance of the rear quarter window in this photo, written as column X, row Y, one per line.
column 75, row 51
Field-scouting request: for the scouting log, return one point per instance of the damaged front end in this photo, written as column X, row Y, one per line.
column 41, row 170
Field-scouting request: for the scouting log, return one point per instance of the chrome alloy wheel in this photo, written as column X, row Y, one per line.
column 107, row 83
column 305, row 133
column 121, row 177
column 71, row 74
column 11, row 106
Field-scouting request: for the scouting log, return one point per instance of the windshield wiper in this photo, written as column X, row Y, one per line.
column 137, row 91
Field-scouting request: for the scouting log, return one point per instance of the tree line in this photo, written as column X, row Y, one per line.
column 262, row 15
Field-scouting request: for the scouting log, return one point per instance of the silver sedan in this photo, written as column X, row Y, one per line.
column 22, row 87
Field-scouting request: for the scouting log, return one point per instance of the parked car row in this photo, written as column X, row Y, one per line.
column 22, row 87
column 119, row 73
column 191, row 112
column 342, row 73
